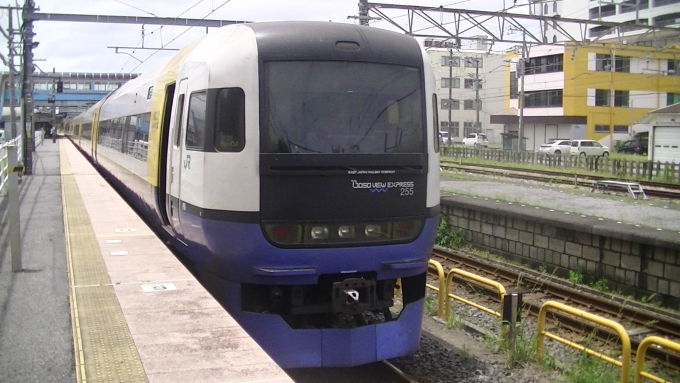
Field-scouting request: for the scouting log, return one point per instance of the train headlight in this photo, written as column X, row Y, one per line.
column 406, row 229
column 377, row 230
column 285, row 234
column 319, row 232
column 346, row 231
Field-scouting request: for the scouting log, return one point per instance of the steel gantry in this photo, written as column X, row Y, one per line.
column 500, row 25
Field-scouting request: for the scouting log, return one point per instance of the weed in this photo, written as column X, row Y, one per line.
column 542, row 269
column 601, row 285
column 464, row 353
column 576, row 277
column 587, row 369
column 448, row 235
column 431, row 305
column 522, row 349
column 644, row 299
column 454, row 321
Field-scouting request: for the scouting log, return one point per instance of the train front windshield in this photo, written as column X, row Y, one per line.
column 342, row 107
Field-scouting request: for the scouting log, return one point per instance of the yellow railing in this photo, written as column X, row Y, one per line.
column 485, row 281
column 642, row 351
column 623, row 335
column 441, row 290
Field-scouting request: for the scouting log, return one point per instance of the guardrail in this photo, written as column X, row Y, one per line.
column 441, row 290
column 4, row 162
column 485, row 281
column 444, row 311
column 663, row 171
column 39, row 136
column 642, row 351
column 624, row 364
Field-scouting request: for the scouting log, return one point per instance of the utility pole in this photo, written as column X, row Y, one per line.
column 450, row 92
column 27, row 89
column 520, row 99
column 12, row 112
column 478, row 127
column 54, row 103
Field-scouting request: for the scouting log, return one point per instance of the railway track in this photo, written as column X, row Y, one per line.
column 652, row 189
column 639, row 320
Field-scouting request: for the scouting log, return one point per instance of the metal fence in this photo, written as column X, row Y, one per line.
column 620, row 168
column 4, row 162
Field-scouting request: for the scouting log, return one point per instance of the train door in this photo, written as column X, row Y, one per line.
column 94, row 132
column 174, row 160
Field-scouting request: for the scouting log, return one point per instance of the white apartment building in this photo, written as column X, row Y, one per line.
column 660, row 13
column 457, row 73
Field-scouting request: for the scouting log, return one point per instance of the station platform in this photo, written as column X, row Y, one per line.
column 101, row 299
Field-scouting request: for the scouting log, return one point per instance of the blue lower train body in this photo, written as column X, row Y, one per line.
column 226, row 255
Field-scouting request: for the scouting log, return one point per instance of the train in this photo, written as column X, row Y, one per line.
column 295, row 167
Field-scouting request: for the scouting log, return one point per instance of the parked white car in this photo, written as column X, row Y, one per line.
column 588, row 148
column 476, row 139
column 556, row 147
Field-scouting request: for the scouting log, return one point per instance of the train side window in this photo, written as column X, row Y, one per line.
column 195, row 133
column 178, row 122
column 230, row 116
column 435, row 122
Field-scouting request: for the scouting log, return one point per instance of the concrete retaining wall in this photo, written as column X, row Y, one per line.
column 636, row 261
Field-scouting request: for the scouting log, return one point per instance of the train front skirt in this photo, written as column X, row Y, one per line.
column 322, row 347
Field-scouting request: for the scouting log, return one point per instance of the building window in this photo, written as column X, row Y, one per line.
column 448, row 83
column 473, row 62
column 672, row 68
column 555, row 7
column 667, row 19
column 450, row 61
column 543, row 99
column 658, row 3
column 631, row 5
column 620, row 128
column 468, row 127
column 622, row 64
column 672, row 98
column 602, row 97
column 514, row 88
column 470, row 105
column 545, row 64
column 603, row 62
column 470, row 83
column 601, row 128
column 602, row 11
column 621, row 98
column 450, row 104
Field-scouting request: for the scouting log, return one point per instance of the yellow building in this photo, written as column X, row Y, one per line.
column 590, row 92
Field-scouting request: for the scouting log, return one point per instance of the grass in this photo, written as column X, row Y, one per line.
column 448, row 235
column 431, row 304
column 576, row 276
column 518, row 352
column 587, row 369
column 601, row 285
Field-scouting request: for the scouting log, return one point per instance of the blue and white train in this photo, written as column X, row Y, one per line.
column 296, row 166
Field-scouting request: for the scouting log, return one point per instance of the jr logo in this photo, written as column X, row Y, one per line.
column 187, row 162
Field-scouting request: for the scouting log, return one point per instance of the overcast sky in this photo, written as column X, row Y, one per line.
column 83, row 47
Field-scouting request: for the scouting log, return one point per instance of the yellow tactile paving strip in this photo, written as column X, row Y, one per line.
column 104, row 349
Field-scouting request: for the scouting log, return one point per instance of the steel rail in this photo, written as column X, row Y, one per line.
column 655, row 189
